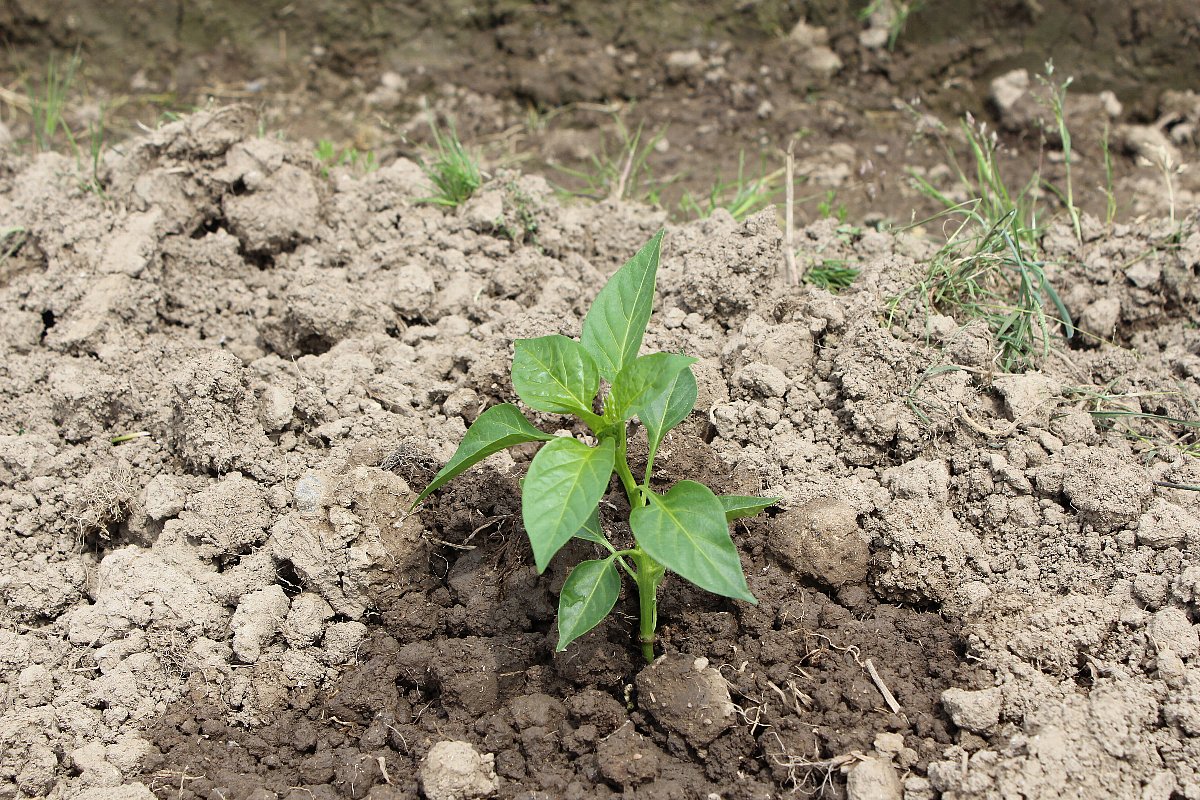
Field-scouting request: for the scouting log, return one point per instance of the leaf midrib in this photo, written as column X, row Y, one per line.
column 623, row 340
column 548, row 370
column 658, row 501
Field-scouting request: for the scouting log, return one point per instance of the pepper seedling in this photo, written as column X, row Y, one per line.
column 685, row 530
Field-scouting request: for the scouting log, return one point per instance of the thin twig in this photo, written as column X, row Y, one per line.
column 888, row 697
column 789, row 225
column 618, row 192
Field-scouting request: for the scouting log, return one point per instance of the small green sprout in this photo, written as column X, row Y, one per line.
column 48, row 106
column 454, row 172
column 330, row 156
column 831, row 274
column 684, row 530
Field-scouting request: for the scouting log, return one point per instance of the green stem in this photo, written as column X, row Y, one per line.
column 626, row 474
column 649, row 575
column 649, row 470
column 649, row 572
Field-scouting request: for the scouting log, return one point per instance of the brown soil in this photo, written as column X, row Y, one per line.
column 547, row 86
column 236, row 603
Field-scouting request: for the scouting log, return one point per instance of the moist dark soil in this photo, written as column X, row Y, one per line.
column 463, row 649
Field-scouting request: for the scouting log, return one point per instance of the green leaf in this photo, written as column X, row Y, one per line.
column 495, row 429
column 591, row 530
column 663, row 411
column 737, row 506
column 685, row 531
column 645, row 379
column 616, row 322
column 562, row 488
column 555, row 374
column 588, row 595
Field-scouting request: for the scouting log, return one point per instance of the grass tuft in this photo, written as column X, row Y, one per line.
column 1056, row 100
column 1159, row 433
column 623, row 173
column 831, row 274
column 453, row 171
column 741, row 197
column 329, row 156
column 46, row 107
column 989, row 268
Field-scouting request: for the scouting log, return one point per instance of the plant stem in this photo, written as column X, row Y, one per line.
column 649, row 572
column 649, row 575
column 626, row 474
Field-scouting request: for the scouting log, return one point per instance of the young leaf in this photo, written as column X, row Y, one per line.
column 616, row 322
column 565, row 482
column 589, row 593
column 645, row 379
column 495, row 429
column 685, row 531
column 738, row 506
column 591, row 530
column 555, row 374
column 663, row 411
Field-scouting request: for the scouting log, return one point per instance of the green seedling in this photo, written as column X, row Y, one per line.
column 831, row 274
column 626, row 174
column 330, row 156
column 830, row 208
column 1110, row 195
column 453, row 171
column 740, row 197
column 47, row 106
column 684, row 530
column 1057, row 102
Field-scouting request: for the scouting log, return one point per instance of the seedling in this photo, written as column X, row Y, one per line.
column 740, row 197
column 327, row 153
column 831, row 274
column 453, row 172
column 47, row 107
column 626, row 174
column 684, row 530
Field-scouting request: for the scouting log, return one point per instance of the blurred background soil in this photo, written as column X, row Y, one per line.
column 564, row 88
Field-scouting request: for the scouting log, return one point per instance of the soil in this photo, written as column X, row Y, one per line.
column 225, row 375
column 551, row 86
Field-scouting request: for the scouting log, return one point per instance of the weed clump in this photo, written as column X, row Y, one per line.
column 330, row 156
column 990, row 266
column 453, row 171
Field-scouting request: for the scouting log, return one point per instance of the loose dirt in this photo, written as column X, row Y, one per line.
column 224, row 377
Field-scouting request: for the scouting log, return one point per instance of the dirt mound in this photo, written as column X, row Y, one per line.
column 973, row 587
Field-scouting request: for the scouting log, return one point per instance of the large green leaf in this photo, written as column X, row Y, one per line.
column 616, row 322
column 589, row 593
column 495, row 429
column 565, row 482
column 643, row 380
column 685, row 531
column 591, row 530
column 664, row 410
column 737, row 506
column 555, row 374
